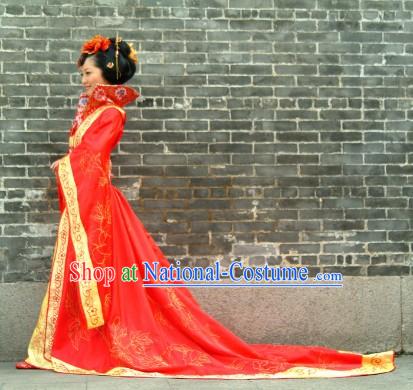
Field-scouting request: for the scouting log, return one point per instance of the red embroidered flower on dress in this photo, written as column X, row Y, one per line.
column 120, row 92
column 99, row 94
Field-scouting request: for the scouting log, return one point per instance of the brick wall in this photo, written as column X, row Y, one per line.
column 274, row 130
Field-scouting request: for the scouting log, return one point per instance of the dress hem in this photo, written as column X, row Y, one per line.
column 375, row 363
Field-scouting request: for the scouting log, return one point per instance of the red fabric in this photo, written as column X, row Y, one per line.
column 153, row 330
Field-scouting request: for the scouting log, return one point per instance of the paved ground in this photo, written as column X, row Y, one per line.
column 10, row 378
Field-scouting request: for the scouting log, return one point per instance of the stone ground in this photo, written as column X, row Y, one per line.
column 11, row 378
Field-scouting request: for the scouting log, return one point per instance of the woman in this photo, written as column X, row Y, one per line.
column 123, row 328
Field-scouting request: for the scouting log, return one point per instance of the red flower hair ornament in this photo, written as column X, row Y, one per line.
column 98, row 42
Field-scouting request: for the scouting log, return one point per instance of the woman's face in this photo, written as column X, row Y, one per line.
column 91, row 75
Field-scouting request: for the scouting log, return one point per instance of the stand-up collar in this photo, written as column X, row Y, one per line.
column 102, row 94
column 118, row 94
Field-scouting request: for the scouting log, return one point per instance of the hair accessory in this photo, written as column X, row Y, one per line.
column 98, row 42
column 118, row 40
column 132, row 55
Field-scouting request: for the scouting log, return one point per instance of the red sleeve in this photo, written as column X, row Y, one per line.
column 89, row 162
column 84, row 185
column 104, row 133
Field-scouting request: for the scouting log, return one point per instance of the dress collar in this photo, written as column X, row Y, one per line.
column 118, row 94
column 102, row 94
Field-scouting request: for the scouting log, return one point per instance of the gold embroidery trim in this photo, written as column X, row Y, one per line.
column 376, row 363
column 56, row 285
column 41, row 342
column 89, row 293
column 74, row 140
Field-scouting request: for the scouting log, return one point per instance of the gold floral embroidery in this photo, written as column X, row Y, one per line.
column 89, row 161
column 236, row 364
column 131, row 346
column 91, row 164
column 207, row 329
column 105, row 175
column 160, row 318
column 189, row 355
column 107, row 302
column 157, row 313
column 76, row 330
column 260, row 365
column 186, row 316
column 77, row 333
column 263, row 365
column 102, row 249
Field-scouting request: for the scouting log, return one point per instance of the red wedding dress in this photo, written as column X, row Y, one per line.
column 126, row 329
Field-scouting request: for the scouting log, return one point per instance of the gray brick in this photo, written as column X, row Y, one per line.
column 282, row 124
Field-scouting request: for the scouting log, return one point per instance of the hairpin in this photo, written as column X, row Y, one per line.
column 132, row 55
column 118, row 39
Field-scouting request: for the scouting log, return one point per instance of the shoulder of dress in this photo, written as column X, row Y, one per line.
column 113, row 106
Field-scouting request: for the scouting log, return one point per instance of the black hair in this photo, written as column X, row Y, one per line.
column 127, row 67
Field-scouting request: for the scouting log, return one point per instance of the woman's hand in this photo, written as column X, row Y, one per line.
column 54, row 165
